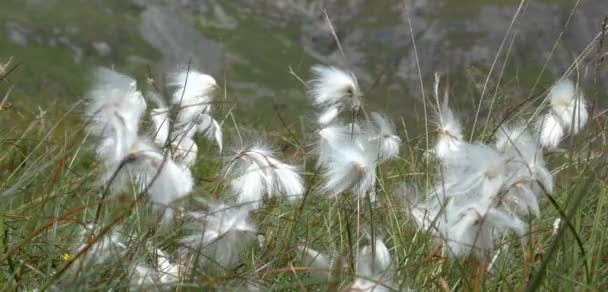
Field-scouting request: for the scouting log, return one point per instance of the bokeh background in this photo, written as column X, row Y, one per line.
column 256, row 48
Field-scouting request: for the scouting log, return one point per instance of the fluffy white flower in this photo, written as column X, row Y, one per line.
column 146, row 167
column 192, row 92
column 168, row 271
column 473, row 172
column 192, row 97
column 349, row 167
column 382, row 133
column 256, row 173
column 161, row 123
column 333, row 136
column 482, row 191
column 144, row 276
column 526, row 168
column 321, row 266
column 185, row 151
column 349, row 154
column 114, row 107
column 450, row 133
column 221, row 234
column 211, row 129
column 332, row 86
column 373, row 259
column 329, row 115
column 550, row 130
column 372, row 269
column 472, row 230
column 569, row 104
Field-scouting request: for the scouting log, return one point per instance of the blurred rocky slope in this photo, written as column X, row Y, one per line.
column 254, row 44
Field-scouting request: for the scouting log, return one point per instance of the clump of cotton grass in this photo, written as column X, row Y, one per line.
column 332, row 91
column 528, row 173
column 192, row 99
column 449, row 132
column 484, row 192
column 348, row 153
column 473, row 178
column 256, row 173
column 568, row 114
column 349, row 156
column 219, row 235
column 165, row 272
column 115, row 108
column 320, row 265
column 349, row 167
column 371, row 267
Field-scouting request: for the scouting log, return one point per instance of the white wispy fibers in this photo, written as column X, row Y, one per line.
column 185, row 151
column 163, row 180
column 423, row 216
column 568, row 114
column 144, row 276
column 382, row 133
column 114, row 108
column 333, row 90
column 211, row 129
column 161, row 125
column 349, row 167
column 193, row 97
column 320, row 265
column 349, row 154
column 473, row 171
column 168, row 271
column 255, row 173
column 331, row 86
column 329, row 115
column 333, row 136
column 450, row 133
column 219, row 234
column 372, row 268
column 526, row 169
column 192, row 93
column 110, row 245
column 550, row 130
column 479, row 194
column 472, row 229
column 569, row 104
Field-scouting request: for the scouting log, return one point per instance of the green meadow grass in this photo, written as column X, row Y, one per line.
column 49, row 192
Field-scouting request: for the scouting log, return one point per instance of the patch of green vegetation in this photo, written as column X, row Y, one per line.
column 45, row 74
column 462, row 39
column 263, row 59
column 266, row 55
column 377, row 15
column 59, row 54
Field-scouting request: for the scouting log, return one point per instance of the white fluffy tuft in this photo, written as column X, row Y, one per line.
column 332, row 86
column 256, row 173
column 221, row 234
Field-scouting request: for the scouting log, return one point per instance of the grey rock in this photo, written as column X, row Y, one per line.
column 178, row 41
column 17, row 34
